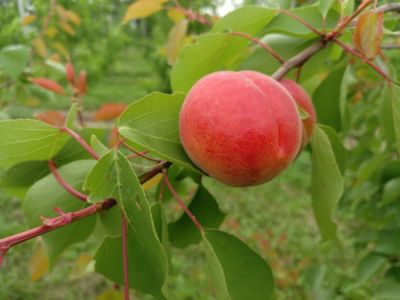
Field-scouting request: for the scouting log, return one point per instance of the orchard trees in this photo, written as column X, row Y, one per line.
column 237, row 125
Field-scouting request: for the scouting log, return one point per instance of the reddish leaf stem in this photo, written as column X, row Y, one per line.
column 137, row 153
column 81, row 141
column 302, row 21
column 65, row 184
column 363, row 58
column 181, row 202
column 125, row 255
column 261, row 44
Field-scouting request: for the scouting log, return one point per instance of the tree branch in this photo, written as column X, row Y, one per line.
column 58, row 222
column 81, row 141
column 298, row 59
column 388, row 7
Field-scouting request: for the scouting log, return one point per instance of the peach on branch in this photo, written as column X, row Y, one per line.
column 242, row 128
column 302, row 99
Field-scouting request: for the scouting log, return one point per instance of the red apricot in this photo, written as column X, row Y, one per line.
column 303, row 100
column 241, row 128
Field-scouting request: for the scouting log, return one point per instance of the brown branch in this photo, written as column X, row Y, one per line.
column 298, row 59
column 345, row 22
column 388, row 7
column 261, row 44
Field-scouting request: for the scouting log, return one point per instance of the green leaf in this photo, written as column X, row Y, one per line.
column 247, row 19
column 20, row 177
column 46, row 194
column 388, row 242
column 327, row 183
column 237, row 271
column 325, row 6
column 71, row 116
column 152, row 123
column 387, row 289
column 213, row 52
column 369, row 266
column 394, row 94
column 113, row 177
column 326, row 99
column 160, row 224
column 25, row 140
column 97, row 145
column 391, row 191
column 337, row 147
column 183, row 232
column 13, row 59
column 311, row 14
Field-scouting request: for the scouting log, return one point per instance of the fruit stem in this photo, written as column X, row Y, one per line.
column 181, row 202
column 65, row 184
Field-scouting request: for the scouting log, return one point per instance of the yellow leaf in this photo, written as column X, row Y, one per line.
column 141, row 9
column 51, row 32
column 368, row 34
column 28, row 20
column 80, row 266
column 111, row 294
column 152, row 182
column 38, row 264
column 176, row 40
column 40, row 47
column 60, row 49
column 73, row 17
column 175, row 15
column 67, row 28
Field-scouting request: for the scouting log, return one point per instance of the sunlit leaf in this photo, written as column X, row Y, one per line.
column 111, row 294
column 38, row 264
column 79, row 268
column 67, row 28
column 368, row 33
column 175, row 15
column 176, row 39
column 25, row 140
column 141, row 9
column 28, row 19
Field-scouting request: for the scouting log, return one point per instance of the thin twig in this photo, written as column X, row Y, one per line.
column 141, row 154
column 81, row 141
column 125, row 255
column 261, row 44
column 64, row 184
column 390, row 47
column 301, row 21
column 181, row 202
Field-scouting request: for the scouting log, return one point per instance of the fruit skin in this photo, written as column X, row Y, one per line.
column 303, row 100
column 241, row 128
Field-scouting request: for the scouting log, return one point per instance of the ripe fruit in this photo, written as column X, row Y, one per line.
column 242, row 128
column 303, row 100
